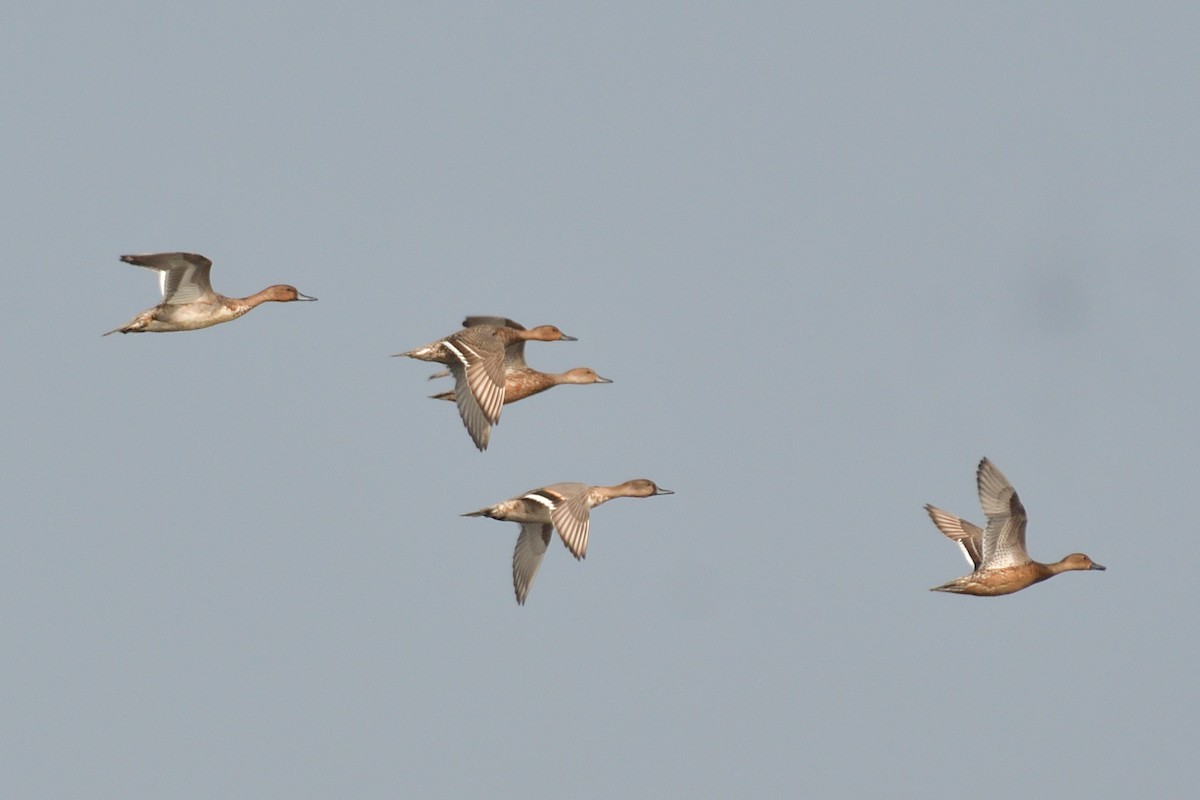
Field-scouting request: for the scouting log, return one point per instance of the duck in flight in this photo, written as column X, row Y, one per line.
column 188, row 300
column 997, row 553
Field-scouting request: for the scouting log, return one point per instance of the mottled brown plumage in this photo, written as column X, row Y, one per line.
column 1001, row 563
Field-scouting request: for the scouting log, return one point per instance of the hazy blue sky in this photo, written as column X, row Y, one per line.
column 830, row 255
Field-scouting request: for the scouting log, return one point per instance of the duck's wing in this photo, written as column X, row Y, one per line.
column 568, row 504
column 474, row 415
column 182, row 277
column 478, row 383
column 495, row 322
column 968, row 537
column 1004, row 536
column 527, row 557
column 514, row 353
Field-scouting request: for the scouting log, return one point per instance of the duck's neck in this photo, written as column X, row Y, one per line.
column 1071, row 563
column 256, row 299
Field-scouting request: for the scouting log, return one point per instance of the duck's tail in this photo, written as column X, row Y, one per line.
column 430, row 352
column 483, row 512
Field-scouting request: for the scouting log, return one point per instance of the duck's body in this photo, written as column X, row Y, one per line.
column 520, row 383
column 189, row 302
column 992, row 582
column 564, row 507
column 475, row 356
column 1001, row 563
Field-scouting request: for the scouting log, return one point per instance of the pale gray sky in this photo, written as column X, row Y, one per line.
column 830, row 255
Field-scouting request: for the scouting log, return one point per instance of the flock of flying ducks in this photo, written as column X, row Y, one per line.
column 487, row 361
